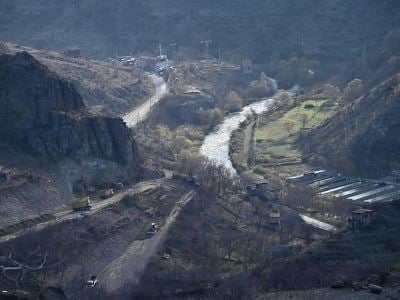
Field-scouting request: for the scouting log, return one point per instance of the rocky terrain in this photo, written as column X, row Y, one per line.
column 362, row 138
column 49, row 140
column 105, row 85
column 46, row 116
column 258, row 235
column 340, row 39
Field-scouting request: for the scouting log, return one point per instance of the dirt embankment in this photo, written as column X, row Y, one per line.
column 47, row 131
column 85, row 246
column 241, row 145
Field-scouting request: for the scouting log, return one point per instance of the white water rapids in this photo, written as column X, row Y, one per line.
column 216, row 143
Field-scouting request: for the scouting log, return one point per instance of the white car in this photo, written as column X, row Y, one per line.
column 92, row 281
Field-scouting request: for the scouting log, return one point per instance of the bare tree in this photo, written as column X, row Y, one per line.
column 303, row 120
column 289, row 124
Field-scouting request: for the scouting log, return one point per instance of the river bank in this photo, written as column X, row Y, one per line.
column 216, row 144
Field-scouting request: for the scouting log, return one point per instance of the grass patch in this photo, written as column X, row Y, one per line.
column 274, row 143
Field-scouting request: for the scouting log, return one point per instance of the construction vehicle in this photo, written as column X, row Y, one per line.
column 153, row 229
column 82, row 204
column 119, row 185
column 106, row 193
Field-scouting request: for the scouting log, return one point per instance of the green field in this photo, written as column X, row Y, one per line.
column 275, row 144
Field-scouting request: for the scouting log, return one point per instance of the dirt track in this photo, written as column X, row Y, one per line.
column 129, row 267
column 70, row 215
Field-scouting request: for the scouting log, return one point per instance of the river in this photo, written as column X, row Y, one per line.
column 216, row 143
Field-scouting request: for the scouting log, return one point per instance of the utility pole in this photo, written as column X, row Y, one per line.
column 159, row 46
column 150, row 104
column 206, row 44
column 173, row 46
column 302, row 40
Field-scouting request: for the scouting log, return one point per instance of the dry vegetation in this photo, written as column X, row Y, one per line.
column 105, row 86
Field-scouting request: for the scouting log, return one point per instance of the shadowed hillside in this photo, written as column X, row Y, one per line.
column 363, row 137
column 341, row 39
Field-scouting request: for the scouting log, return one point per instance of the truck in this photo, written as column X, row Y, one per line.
column 107, row 193
column 82, row 204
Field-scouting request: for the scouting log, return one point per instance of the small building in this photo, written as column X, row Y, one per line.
column 396, row 175
column 361, row 217
column 274, row 219
column 247, row 67
column 73, row 52
column 168, row 174
column 162, row 57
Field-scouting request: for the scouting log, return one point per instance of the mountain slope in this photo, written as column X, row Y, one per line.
column 46, row 116
column 51, row 144
column 109, row 88
column 337, row 37
column 363, row 137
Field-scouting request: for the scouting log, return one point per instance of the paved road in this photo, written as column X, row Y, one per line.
column 129, row 267
column 70, row 215
column 140, row 113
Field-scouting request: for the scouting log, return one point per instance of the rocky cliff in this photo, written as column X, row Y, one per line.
column 364, row 137
column 45, row 116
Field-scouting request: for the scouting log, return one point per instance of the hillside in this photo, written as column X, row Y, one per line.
column 354, row 256
column 49, row 140
column 363, row 137
column 105, row 86
column 340, row 39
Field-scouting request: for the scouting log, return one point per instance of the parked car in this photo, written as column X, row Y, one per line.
column 92, row 281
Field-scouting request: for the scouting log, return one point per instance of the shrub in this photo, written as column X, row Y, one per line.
column 262, row 87
column 354, row 89
column 309, row 106
column 233, row 102
column 259, row 171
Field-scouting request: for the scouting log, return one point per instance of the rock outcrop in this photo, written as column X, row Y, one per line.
column 45, row 116
column 364, row 137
